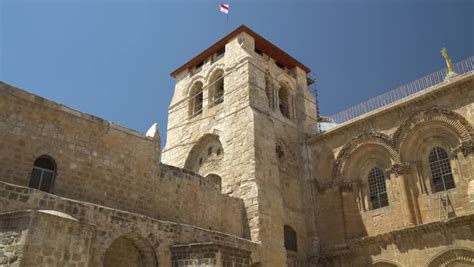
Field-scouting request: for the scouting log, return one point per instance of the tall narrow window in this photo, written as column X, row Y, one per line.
column 377, row 188
column 196, row 100
column 42, row 175
column 216, row 93
column 284, row 102
column 441, row 170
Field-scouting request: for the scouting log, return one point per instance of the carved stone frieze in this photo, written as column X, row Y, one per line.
column 362, row 139
column 465, row 148
column 436, row 113
column 399, row 169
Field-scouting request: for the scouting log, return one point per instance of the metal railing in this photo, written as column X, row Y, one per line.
column 403, row 91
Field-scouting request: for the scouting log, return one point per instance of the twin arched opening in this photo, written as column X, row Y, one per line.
column 213, row 91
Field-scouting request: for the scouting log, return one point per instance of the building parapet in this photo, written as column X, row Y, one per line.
column 465, row 66
column 33, row 98
column 400, row 103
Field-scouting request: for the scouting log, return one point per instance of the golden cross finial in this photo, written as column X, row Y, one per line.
column 444, row 52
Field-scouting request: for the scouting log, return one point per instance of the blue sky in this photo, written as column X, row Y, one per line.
column 112, row 58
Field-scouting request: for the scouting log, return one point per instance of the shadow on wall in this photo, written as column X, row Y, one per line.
column 402, row 193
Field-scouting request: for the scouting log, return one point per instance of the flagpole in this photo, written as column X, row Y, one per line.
column 227, row 22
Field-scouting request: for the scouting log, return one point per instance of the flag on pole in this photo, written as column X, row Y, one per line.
column 224, row 8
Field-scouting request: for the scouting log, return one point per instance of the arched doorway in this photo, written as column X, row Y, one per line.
column 130, row 251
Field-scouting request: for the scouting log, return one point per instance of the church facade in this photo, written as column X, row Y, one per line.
column 246, row 177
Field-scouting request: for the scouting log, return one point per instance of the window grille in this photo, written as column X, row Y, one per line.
column 377, row 188
column 219, row 93
column 441, row 170
column 196, row 102
column 42, row 175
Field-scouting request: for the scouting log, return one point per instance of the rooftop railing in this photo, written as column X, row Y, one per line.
column 401, row 92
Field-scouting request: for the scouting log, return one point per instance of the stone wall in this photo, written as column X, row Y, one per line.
column 13, row 231
column 209, row 254
column 106, row 164
column 151, row 237
column 430, row 245
column 398, row 139
column 249, row 126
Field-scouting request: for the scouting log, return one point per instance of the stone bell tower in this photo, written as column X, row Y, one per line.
column 240, row 115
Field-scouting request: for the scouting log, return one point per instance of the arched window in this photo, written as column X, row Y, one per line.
column 216, row 94
column 291, row 242
column 441, row 170
column 284, row 102
column 216, row 180
column 377, row 188
column 42, row 175
column 196, row 100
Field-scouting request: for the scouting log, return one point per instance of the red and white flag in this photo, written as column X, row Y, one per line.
column 224, row 8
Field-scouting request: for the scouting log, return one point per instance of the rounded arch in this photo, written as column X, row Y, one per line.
column 129, row 250
column 43, row 174
column 214, row 74
column 439, row 120
column 212, row 71
column 453, row 257
column 46, row 161
column 215, row 179
column 195, row 80
column 385, row 263
column 207, row 148
column 286, row 80
column 381, row 142
column 284, row 100
column 196, row 99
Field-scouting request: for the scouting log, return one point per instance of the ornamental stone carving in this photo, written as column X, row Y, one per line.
column 368, row 138
column 439, row 114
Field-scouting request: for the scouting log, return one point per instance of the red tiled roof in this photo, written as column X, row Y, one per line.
column 261, row 44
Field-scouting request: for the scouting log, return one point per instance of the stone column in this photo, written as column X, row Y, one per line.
column 404, row 173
